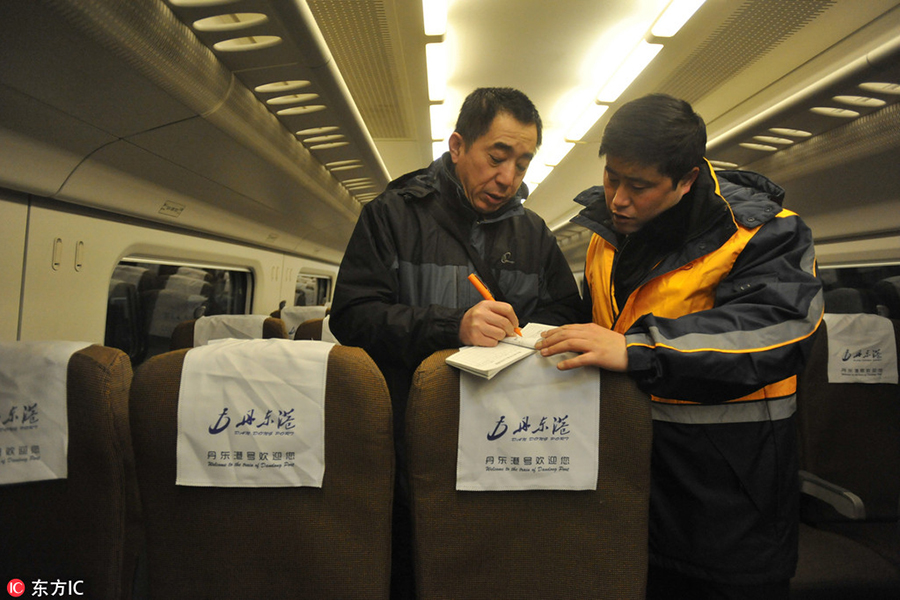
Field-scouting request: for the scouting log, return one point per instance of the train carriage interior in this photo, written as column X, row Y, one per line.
column 162, row 161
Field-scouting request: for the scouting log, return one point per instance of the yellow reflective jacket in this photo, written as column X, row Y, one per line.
column 719, row 303
column 729, row 313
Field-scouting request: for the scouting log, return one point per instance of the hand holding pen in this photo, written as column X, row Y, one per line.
column 486, row 323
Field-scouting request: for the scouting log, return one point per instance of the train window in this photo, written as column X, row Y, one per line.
column 312, row 290
column 873, row 289
column 148, row 299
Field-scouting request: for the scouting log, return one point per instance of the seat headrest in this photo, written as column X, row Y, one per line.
column 33, row 409
column 216, row 327
column 294, row 315
column 862, row 348
column 251, row 413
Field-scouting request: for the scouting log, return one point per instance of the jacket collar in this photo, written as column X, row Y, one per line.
column 440, row 179
column 753, row 198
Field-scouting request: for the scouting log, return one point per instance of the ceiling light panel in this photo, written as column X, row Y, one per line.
column 834, row 111
column 248, row 43
column 201, row 3
column 881, row 87
column 437, row 67
column 834, row 107
column 863, row 101
column 320, row 139
column 794, row 133
column 759, row 147
column 286, row 76
column 641, row 56
column 277, row 87
column 434, row 15
column 721, row 164
column 304, row 109
column 674, row 17
column 291, row 99
column 318, row 130
column 341, row 163
column 771, row 139
column 230, row 22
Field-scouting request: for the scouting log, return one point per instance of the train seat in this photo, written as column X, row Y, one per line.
column 186, row 284
column 294, row 316
column 195, row 273
column 84, row 528
column 846, row 300
column 123, row 319
column 849, row 437
column 558, row 544
column 142, row 278
column 309, row 330
column 187, row 335
column 888, row 291
column 162, row 311
column 271, row 542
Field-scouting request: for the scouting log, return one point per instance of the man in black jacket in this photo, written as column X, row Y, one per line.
column 402, row 291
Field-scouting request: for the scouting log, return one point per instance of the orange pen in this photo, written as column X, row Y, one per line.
column 486, row 294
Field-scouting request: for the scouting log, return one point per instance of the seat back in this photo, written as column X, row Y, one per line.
column 888, row 291
column 294, row 316
column 296, row 542
column 309, row 330
column 123, row 320
column 183, row 334
column 849, row 433
column 849, row 449
column 162, row 310
column 846, row 300
column 86, row 527
column 557, row 544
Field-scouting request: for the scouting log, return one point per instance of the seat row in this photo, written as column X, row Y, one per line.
column 120, row 525
column 849, row 434
column 120, row 501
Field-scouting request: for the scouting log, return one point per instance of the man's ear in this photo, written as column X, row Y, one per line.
column 457, row 145
column 688, row 180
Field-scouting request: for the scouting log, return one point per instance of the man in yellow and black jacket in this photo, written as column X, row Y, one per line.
column 703, row 288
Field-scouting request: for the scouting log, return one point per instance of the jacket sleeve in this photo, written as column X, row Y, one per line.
column 559, row 302
column 366, row 311
column 760, row 330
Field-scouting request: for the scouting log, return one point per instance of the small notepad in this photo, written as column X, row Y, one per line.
column 487, row 362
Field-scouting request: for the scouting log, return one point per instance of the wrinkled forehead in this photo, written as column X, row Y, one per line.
column 509, row 135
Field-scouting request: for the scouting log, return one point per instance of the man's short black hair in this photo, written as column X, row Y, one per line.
column 657, row 130
column 481, row 107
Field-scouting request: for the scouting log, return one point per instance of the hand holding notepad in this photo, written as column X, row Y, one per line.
column 488, row 361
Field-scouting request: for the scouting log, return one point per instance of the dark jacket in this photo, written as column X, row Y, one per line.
column 719, row 302
column 402, row 288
